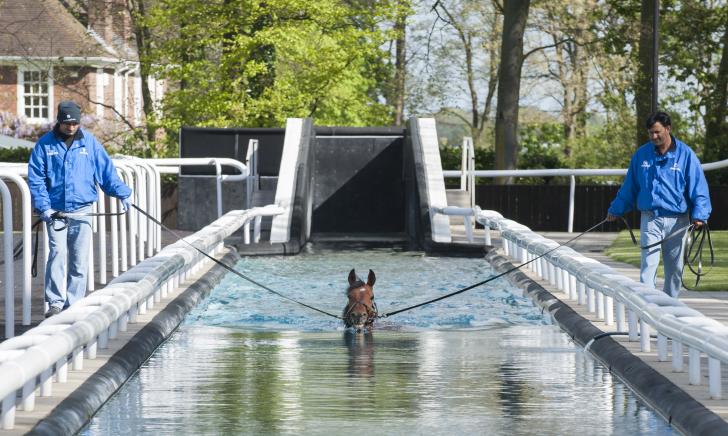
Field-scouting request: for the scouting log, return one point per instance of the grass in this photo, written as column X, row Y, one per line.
column 717, row 279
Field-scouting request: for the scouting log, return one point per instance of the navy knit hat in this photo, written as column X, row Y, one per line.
column 69, row 112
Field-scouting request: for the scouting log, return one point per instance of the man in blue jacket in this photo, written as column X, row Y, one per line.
column 65, row 166
column 666, row 181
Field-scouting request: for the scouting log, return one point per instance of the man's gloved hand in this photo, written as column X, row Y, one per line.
column 47, row 215
column 126, row 203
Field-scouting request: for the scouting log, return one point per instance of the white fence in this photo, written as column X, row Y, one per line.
column 32, row 362
column 466, row 171
column 132, row 236
column 616, row 299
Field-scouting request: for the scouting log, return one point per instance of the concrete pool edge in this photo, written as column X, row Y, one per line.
column 77, row 409
column 677, row 407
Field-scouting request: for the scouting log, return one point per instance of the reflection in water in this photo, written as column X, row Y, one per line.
column 514, row 380
column 483, row 362
column 361, row 353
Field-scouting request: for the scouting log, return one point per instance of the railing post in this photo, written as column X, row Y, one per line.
column 572, row 194
column 661, row 347
column 714, row 378
column 677, row 356
column 218, row 175
column 632, row 325
column 9, row 267
column 8, row 412
column 693, row 366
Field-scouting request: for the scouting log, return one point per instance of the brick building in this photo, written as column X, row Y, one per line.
column 81, row 50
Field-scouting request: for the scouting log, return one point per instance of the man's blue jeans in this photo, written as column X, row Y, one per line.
column 67, row 268
column 653, row 229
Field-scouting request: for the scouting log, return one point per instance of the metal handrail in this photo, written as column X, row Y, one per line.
column 135, row 173
column 563, row 172
column 28, row 362
column 172, row 165
column 607, row 293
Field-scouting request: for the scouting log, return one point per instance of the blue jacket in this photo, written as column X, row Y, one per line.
column 668, row 184
column 65, row 179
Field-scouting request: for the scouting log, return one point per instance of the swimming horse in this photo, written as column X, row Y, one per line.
column 361, row 310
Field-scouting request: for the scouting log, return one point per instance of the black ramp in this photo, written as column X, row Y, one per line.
column 232, row 143
column 358, row 185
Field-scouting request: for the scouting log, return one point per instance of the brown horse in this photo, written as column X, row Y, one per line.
column 361, row 310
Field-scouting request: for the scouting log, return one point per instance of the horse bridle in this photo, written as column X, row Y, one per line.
column 372, row 312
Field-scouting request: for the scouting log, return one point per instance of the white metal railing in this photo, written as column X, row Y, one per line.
column 564, row 172
column 172, row 165
column 142, row 177
column 616, row 299
column 467, row 164
column 251, row 160
column 133, row 237
column 32, row 362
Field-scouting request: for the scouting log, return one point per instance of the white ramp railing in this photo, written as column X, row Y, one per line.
column 616, row 299
column 32, row 362
column 141, row 177
column 133, row 237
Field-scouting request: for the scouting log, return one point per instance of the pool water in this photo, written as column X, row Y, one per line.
column 483, row 362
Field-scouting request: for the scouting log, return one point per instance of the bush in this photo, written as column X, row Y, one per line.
column 15, row 154
column 451, row 158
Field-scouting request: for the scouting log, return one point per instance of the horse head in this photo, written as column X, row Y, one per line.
column 361, row 310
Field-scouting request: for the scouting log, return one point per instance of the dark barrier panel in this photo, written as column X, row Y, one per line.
column 231, row 143
column 546, row 207
column 358, row 181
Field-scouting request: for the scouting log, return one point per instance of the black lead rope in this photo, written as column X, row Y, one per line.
column 57, row 217
column 239, row 274
column 490, row 279
column 694, row 239
column 694, row 243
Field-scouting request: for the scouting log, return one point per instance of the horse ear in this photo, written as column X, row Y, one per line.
column 371, row 279
column 352, row 277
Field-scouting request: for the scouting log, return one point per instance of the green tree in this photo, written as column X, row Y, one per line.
column 515, row 14
column 696, row 51
column 256, row 63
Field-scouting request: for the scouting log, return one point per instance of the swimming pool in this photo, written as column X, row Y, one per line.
column 485, row 361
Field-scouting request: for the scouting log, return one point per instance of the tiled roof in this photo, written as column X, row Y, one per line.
column 43, row 28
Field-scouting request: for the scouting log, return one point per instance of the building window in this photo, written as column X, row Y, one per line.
column 34, row 94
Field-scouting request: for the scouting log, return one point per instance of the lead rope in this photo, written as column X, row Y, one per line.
column 696, row 236
column 56, row 217
column 693, row 243
column 237, row 273
column 490, row 279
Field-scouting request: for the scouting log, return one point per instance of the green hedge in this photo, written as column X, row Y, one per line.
column 16, row 154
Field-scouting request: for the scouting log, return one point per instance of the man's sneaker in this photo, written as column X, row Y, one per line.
column 54, row 310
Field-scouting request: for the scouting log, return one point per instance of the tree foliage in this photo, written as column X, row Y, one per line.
column 256, row 63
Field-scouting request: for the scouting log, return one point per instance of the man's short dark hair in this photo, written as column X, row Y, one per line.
column 658, row 117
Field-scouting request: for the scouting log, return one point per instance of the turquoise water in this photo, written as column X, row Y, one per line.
column 483, row 362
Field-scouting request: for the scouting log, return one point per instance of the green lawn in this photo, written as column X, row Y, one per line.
column 717, row 279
